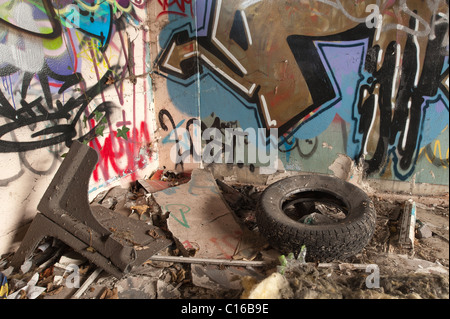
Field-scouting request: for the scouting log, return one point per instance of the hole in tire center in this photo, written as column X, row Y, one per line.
column 314, row 208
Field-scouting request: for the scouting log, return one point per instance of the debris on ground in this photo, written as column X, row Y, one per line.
column 200, row 219
column 276, row 286
column 30, row 290
column 309, row 282
column 3, row 286
column 163, row 179
column 423, row 230
column 408, row 225
column 191, row 267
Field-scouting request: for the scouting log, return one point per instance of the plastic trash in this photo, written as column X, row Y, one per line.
column 4, row 286
column 316, row 219
column 302, row 256
column 31, row 290
column 275, row 286
column 289, row 261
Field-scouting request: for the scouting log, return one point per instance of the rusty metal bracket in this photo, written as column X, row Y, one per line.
column 109, row 240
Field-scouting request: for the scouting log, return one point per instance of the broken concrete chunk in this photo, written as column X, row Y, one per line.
column 423, row 231
column 342, row 167
column 133, row 287
column 166, row 291
column 199, row 217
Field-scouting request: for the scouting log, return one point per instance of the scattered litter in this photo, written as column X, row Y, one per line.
column 152, row 186
column 438, row 269
column 162, row 180
column 276, row 286
column 408, row 224
column 44, row 246
column 291, row 261
column 223, row 279
column 404, row 264
column 26, row 266
column 8, row 271
column 30, row 291
column 136, row 287
column 109, row 294
column 316, row 219
column 166, row 291
column 302, row 255
column 140, row 209
column 70, row 258
column 3, row 286
column 87, row 283
column 234, row 266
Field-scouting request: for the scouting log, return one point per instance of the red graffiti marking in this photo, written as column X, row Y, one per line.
column 177, row 7
column 227, row 244
column 128, row 151
column 191, row 245
column 187, row 244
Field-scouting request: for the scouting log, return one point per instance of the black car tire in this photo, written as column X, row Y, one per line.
column 324, row 242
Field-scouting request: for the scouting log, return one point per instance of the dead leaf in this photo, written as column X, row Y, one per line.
column 110, row 80
column 46, row 273
column 181, row 276
column 173, row 274
column 110, row 294
column 23, row 294
column 153, row 234
column 55, row 291
column 140, row 247
column 140, row 209
column 83, row 270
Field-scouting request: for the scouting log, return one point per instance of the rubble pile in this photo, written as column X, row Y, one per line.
column 209, row 260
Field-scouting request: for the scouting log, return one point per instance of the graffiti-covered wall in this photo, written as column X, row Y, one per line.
column 365, row 79
column 272, row 84
column 71, row 70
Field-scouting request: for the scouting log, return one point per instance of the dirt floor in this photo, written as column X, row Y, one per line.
column 383, row 269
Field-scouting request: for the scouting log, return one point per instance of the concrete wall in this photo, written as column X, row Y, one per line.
column 71, row 70
column 334, row 77
column 142, row 81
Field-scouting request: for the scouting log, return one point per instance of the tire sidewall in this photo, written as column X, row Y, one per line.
column 360, row 210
